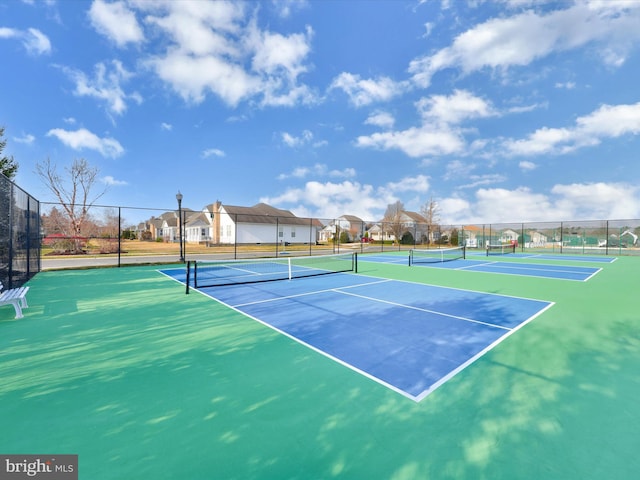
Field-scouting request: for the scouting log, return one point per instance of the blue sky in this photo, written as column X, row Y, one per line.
column 500, row 111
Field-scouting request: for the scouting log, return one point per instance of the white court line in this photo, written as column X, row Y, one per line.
column 530, row 266
column 411, row 307
column 306, row 294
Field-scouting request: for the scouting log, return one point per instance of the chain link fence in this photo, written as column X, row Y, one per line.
column 115, row 236
column 19, row 234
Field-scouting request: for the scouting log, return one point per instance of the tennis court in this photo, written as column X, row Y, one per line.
column 119, row 366
column 409, row 337
column 457, row 259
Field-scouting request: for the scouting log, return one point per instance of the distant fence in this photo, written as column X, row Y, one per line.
column 115, row 236
column 19, row 234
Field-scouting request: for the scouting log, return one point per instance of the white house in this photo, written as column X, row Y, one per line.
column 262, row 223
column 406, row 222
column 351, row 224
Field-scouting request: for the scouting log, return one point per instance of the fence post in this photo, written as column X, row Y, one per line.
column 28, row 235
column 235, row 237
column 277, row 225
column 311, row 236
column 10, row 246
column 119, row 234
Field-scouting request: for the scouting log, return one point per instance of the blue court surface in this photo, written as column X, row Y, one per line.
column 549, row 256
column 560, row 272
column 491, row 264
column 409, row 337
column 569, row 258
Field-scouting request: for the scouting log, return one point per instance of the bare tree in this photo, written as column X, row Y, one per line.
column 431, row 212
column 74, row 191
column 392, row 220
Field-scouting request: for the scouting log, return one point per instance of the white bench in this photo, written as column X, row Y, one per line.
column 16, row 297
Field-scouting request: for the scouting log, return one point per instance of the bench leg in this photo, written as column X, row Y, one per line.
column 18, row 309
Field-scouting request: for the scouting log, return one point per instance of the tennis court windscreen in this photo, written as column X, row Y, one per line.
column 435, row 255
column 207, row 273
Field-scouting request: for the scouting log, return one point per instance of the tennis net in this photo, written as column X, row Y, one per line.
column 436, row 255
column 501, row 249
column 206, row 273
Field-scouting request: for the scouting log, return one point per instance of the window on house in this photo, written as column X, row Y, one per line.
column 222, row 230
column 293, row 232
column 228, row 230
column 280, row 232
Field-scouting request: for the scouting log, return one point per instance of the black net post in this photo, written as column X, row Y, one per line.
column 187, row 277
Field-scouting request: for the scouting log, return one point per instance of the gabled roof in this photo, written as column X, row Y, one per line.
column 197, row 218
column 415, row 216
column 263, row 213
column 350, row 218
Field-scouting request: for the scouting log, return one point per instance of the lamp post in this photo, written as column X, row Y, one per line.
column 179, row 198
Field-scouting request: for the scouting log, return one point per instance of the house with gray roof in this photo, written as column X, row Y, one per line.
column 230, row 224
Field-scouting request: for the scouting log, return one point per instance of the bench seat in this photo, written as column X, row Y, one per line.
column 16, row 297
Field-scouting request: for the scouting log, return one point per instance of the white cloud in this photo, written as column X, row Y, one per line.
column 566, row 85
column 519, row 40
column 454, row 109
column 106, row 85
column 521, row 204
column 275, row 52
column 363, row 92
column 285, row 7
column 84, row 139
column 608, row 121
column 526, row 166
column 166, row 126
column 416, row 142
column 295, row 142
column 584, row 201
column 213, row 152
column 347, row 198
column 109, row 180
column 116, row 22
column 26, row 138
column 193, row 76
column 217, row 47
column 598, row 200
column 33, row 40
column 36, row 42
column 319, row 169
column 439, row 133
column 380, row 119
column 419, row 183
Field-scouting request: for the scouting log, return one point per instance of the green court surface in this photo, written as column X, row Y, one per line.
column 142, row 381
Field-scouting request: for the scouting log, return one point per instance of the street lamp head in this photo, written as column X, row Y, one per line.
column 179, row 196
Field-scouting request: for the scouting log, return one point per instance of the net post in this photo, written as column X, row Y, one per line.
column 187, row 282
column 289, row 266
column 464, row 252
column 354, row 267
column 410, row 253
column 195, row 273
